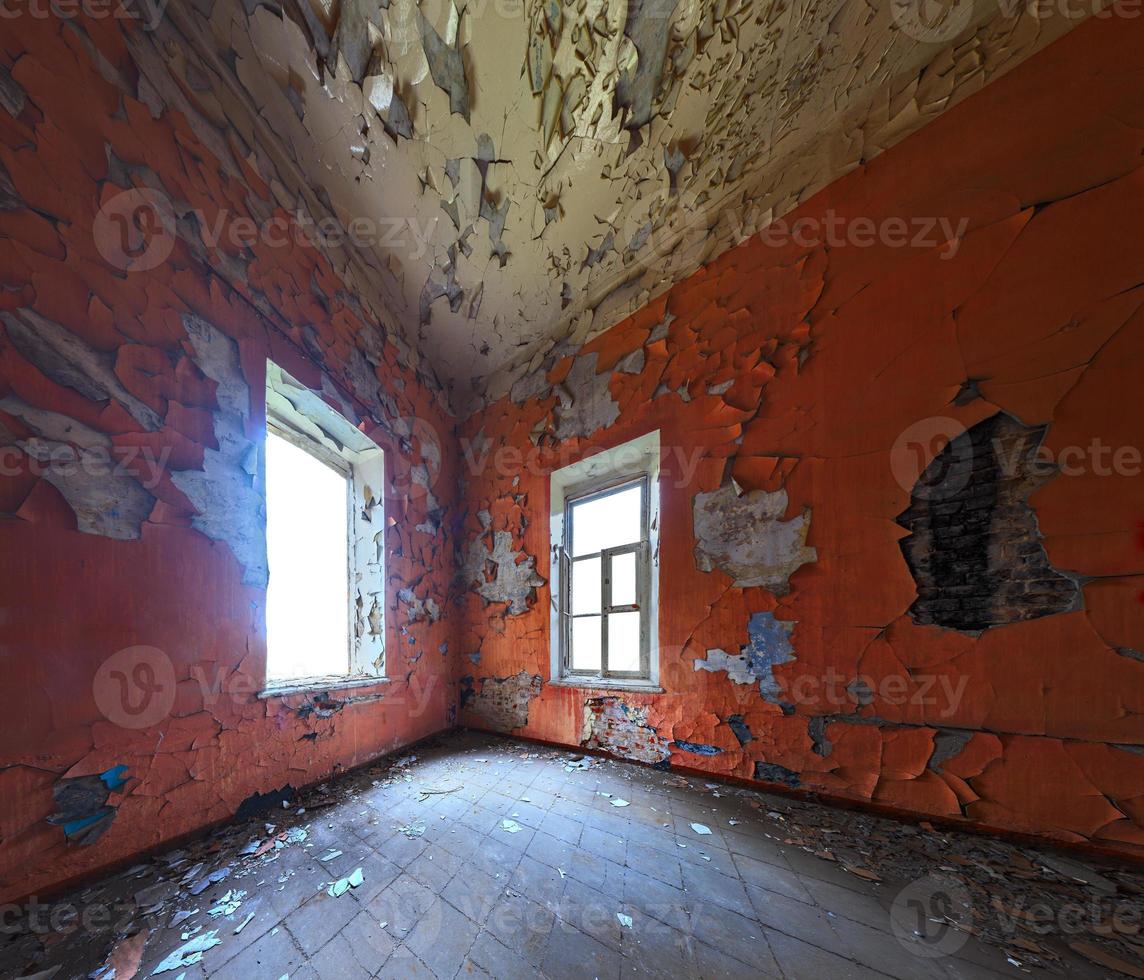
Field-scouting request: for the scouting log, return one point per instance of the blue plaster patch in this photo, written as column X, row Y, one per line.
column 698, row 748
column 740, row 729
column 773, row 773
column 769, row 646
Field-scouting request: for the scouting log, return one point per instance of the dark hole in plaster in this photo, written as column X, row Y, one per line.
column 974, row 548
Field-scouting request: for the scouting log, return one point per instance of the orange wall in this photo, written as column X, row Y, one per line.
column 832, row 354
column 72, row 600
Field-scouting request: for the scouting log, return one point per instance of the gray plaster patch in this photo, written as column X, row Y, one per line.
column 105, row 499
column 513, row 581
column 68, row 361
column 746, row 537
column 586, row 404
column 225, row 492
column 447, row 68
column 947, row 743
column 81, row 464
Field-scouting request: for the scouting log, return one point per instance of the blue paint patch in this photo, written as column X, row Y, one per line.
column 475, row 658
column 697, row 748
column 467, row 690
column 72, row 828
column 740, row 729
column 769, row 646
column 113, row 778
column 82, row 807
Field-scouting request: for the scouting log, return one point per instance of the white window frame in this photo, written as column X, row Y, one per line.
column 609, row 471
column 303, row 418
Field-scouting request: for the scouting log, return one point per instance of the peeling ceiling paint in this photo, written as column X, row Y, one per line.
column 509, row 176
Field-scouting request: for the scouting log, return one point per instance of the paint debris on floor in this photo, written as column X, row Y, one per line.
column 524, row 868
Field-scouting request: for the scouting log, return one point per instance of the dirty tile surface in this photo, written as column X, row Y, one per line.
column 480, row 856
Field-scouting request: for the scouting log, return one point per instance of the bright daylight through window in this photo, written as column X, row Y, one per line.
column 605, row 552
column 307, row 545
column 325, row 603
column 608, row 570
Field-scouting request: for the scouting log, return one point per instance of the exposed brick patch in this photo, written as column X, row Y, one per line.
column 503, row 701
column 622, row 729
column 974, row 548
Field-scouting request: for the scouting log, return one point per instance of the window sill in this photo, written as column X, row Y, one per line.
column 312, row 685
column 608, row 684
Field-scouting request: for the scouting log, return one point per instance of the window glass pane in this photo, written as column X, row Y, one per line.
column 307, row 544
column 624, row 641
column 624, row 579
column 586, row 586
column 586, row 643
column 608, row 521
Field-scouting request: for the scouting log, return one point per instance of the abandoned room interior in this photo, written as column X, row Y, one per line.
column 571, row 489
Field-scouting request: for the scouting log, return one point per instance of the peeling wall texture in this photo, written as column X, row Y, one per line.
column 849, row 604
column 571, row 167
column 131, row 418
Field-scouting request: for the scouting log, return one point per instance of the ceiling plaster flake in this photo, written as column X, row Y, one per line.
column 516, row 175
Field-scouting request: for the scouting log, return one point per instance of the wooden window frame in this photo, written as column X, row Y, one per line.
column 641, row 548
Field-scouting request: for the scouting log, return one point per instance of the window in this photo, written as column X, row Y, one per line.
column 324, row 536
column 605, row 535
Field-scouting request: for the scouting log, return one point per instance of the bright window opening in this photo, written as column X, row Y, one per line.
column 325, row 536
column 607, row 561
column 307, row 544
column 605, row 533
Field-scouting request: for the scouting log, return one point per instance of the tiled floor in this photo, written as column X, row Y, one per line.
column 469, row 898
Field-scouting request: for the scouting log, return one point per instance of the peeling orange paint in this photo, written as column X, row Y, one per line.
column 799, row 367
